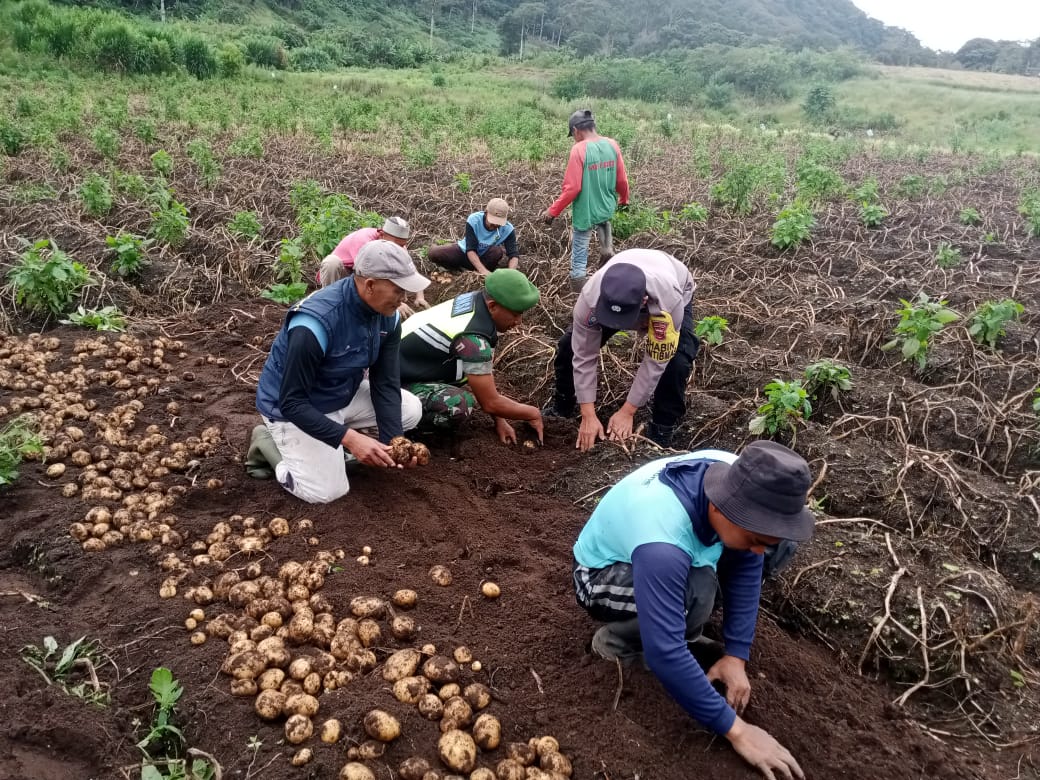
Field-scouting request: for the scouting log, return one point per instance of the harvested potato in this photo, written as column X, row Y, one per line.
column 298, row 728
column 198, row 638
column 421, row 453
column 367, row 607
column 543, row 745
column 301, row 704
column 245, row 665
column 270, row 680
column 400, row 450
column 457, row 750
column 458, row 710
column 274, row 652
column 269, row 704
column 462, row 655
column 312, row 683
column 243, row 687
column 302, row 757
column 382, row 726
column 356, row 771
column 490, row 590
column 413, row 768
column 301, row 627
column 370, row 750
column 478, row 695
column 556, row 762
column 410, row 690
column 441, row 669
column 401, row 664
column 428, row 649
column 449, row 690
column 361, row 661
column 482, row 773
column 487, row 732
column 369, row 633
column 278, row 526
column 441, row 575
column 363, row 560
column 197, row 615
column 299, row 668
column 431, row 707
column 403, row 628
column 405, row 598
column 330, row 731
column 522, row 753
column 509, row 769
column 55, row 470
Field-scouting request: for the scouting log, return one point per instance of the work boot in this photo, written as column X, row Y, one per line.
column 263, row 454
column 661, row 435
column 577, row 283
column 609, row 646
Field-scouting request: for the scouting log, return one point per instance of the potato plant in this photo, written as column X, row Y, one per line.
column 130, row 253
column 919, row 320
column 96, row 194
column 46, row 280
column 947, row 256
column 710, row 329
column 988, row 323
column 108, row 318
column 825, row 377
column 786, row 404
column 793, row 225
column 18, row 439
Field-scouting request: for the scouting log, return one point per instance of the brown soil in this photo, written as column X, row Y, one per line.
column 926, row 474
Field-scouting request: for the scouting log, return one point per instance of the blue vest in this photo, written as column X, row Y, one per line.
column 485, row 238
column 356, row 334
column 641, row 509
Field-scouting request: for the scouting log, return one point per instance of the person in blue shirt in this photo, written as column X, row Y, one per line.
column 662, row 543
column 334, row 372
column 490, row 243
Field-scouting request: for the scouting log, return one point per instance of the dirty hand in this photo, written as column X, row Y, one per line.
column 547, row 218
column 758, row 748
column 421, row 302
column 591, row 429
column 619, row 426
column 505, row 431
column 405, row 310
column 729, row 670
column 538, row 426
column 367, row 450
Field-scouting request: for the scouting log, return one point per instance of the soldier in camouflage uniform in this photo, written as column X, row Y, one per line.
column 447, row 354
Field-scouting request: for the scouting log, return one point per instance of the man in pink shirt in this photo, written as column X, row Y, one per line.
column 340, row 264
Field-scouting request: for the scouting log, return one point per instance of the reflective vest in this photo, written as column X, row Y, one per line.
column 427, row 335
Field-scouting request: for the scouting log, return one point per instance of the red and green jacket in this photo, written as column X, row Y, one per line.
column 594, row 183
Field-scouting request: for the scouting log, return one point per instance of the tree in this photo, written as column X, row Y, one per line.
column 978, row 54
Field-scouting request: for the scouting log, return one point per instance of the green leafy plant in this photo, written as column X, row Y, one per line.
column 108, row 318
column 947, row 256
column 132, row 184
column 919, row 320
column 96, row 194
column 867, row 192
column 164, row 744
column 73, row 669
column 162, row 163
column 825, row 377
column 206, row 165
column 912, row 186
column 289, row 272
column 786, row 404
column 872, row 214
column 737, row 189
column 793, row 225
column 19, row 439
column 638, row 218
column 462, row 182
column 247, row 146
column 169, row 217
column 45, row 279
column 106, row 142
column 130, row 253
column 817, row 182
column 285, row 293
column 1030, row 209
column 246, row 224
column 1036, row 404
column 324, row 223
column 988, row 322
column 969, row 216
column 693, row 212
column 710, row 329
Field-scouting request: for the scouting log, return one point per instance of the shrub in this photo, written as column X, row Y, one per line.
column 246, row 224
column 108, row 318
column 45, row 279
column 637, row 218
column 710, row 329
column 106, row 141
column 819, row 103
column 1030, row 209
column 872, row 214
column 199, row 60
column 826, row 377
column 60, row 34
column 816, row 181
column 912, row 186
column 130, row 253
column 324, row 225
column 169, row 217
column 786, row 404
column 867, row 192
column 19, row 439
column 230, row 61
column 311, row 58
column 12, row 137
column 162, row 163
column 116, row 46
column 947, row 256
column 247, row 146
column 737, row 189
column 266, row 52
column 969, row 216
column 96, row 194
column 989, row 320
column 793, row 225
column 919, row 320
column 693, row 212
column 207, row 167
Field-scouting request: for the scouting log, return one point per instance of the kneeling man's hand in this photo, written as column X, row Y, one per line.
column 729, row 670
column 763, row 752
column 367, row 450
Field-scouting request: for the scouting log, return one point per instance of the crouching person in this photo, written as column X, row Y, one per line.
column 447, row 354
column 313, row 394
column 662, row 543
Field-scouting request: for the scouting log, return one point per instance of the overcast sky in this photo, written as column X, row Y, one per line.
column 947, row 24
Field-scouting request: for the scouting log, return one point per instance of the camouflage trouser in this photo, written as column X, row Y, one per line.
column 444, row 406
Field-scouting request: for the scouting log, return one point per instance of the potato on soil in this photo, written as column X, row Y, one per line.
column 405, row 598
column 198, row 638
column 482, row 773
column 274, row 652
column 382, row 726
column 403, row 628
column 509, row 769
column 298, row 728
column 370, row 750
column 401, row 664
column 356, row 771
column 409, row 690
column 271, row 680
column 543, row 745
column 431, row 707
column 367, row 607
column 490, row 590
column 522, row 753
column 369, row 632
column 478, row 695
column 462, row 655
column 302, row 757
column 556, row 762
column 441, row 669
column 270, row 704
column 487, row 732
column 301, row 704
column 457, row 709
column 457, row 750
column 299, row 668
column 243, row 687
column 245, row 665
column 441, row 575
column 413, row 768
column 449, row 690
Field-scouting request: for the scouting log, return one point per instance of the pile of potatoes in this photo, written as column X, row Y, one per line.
column 402, row 450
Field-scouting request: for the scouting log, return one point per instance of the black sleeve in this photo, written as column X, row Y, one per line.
column 471, row 239
column 384, row 383
column 510, row 246
column 302, row 358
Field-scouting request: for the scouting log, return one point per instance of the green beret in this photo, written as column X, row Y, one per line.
column 510, row 288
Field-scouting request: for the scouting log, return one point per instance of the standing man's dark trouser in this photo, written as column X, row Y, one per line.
column 670, row 395
column 452, row 257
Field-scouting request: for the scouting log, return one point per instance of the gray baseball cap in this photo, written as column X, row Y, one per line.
column 581, row 119
column 387, row 260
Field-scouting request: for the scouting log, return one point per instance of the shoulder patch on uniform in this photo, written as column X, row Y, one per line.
column 464, row 304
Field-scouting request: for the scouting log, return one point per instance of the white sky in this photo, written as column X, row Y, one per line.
column 948, row 24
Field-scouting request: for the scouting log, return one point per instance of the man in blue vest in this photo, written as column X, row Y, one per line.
column 447, row 353
column 659, row 546
column 313, row 393
column 489, row 242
